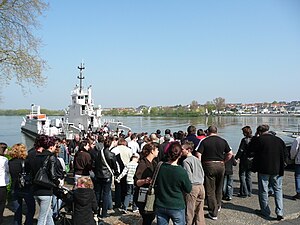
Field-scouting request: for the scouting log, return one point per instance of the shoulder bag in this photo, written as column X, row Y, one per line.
column 42, row 178
column 150, row 198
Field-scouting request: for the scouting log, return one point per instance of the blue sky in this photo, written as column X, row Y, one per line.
column 168, row 52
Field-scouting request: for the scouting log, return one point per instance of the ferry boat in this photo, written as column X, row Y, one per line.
column 80, row 117
column 37, row 123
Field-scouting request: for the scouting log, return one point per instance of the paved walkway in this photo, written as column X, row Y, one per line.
column 239, row 211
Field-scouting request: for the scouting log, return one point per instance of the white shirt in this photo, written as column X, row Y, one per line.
column 295, row 150
column 4, row 171
column 134, row 146
column 125, row 153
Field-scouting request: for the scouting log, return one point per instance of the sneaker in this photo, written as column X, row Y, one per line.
column 135, row 211
column 297, row 196
column 228, row 199
column 279, row 218
column 121, row 209
column 104, row 216
column 219, row 209
column 242, row 196
column 212, row 217
column 260, row 213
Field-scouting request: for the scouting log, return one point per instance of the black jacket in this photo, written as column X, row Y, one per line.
column 85, row 206
column 15, row 168
column 269, row 154
column 35, row 162
column 101, row 170
column 244, row 154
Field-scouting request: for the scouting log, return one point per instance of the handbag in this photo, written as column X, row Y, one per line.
column 150, row 198
column 142, row 194
column 42, row 178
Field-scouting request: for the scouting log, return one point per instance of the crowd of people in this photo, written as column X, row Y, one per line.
column 114, row 170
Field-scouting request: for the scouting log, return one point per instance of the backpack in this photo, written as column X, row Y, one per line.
column 24, row 178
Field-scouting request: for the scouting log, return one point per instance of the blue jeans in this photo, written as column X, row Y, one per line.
column 56, row 205
column 228, row 186
column 245, row 182
column 104, row 191
column 276, row 184
column 129, row 197
column 17, row 205
column 164, row 215
column 45, row 215
column 297, row 177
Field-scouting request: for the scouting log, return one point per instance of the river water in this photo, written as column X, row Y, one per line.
column 229, row 127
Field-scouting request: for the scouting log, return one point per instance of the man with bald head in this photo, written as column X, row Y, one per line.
column 214, row 152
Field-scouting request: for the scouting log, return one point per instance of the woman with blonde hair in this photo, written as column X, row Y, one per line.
column 17, row 166
column 85, row 205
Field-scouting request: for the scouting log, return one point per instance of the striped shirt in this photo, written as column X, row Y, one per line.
column 129, row 170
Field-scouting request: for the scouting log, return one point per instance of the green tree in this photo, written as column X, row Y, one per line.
column 154, row 111
column 19, row 47
column 145, row 111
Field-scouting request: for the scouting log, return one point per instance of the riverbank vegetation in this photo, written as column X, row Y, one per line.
column 191, row 110
column 23, row 112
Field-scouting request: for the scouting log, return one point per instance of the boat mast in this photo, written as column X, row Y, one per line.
column 80, row 77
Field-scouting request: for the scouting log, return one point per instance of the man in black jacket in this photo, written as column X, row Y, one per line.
column 105, row 169
column 269, row 162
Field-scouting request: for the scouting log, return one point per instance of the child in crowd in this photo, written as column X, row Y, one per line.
column 129, row 170
column 85, row 205
column 228, row 179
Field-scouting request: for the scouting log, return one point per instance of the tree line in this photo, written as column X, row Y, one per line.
column 23, row 112
column 194, row 109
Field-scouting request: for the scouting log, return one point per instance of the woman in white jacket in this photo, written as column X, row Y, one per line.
column 4, row 178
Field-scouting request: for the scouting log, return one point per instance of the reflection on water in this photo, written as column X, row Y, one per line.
column 228, row 127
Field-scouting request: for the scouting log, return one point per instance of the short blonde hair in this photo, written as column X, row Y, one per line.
column 85, row 181
column 18, row 151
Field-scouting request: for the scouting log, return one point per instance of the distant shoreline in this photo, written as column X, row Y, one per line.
column 61, row 113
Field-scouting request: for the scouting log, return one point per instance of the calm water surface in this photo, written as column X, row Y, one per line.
column 228, row 127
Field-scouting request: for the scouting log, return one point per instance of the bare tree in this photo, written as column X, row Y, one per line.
column 209, row 107
column 219, row 103
column 194, row 105
column 19, row 48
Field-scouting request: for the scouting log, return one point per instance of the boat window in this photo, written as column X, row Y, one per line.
column 82, row 109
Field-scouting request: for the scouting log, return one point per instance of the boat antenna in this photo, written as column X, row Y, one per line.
column 80, row 77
